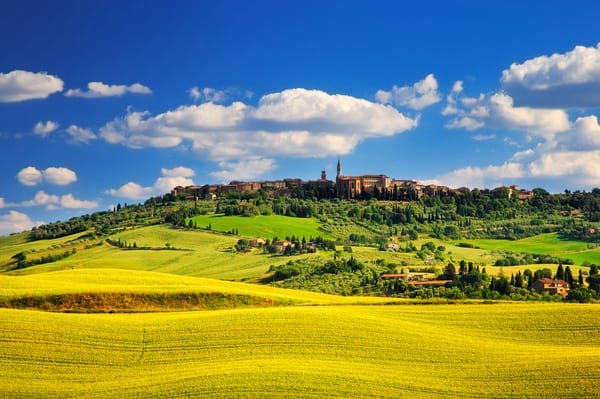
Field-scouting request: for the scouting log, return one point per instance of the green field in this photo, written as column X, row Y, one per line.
column 192, row 252
column 550, row 244
column 471, row 351
column 265, row 227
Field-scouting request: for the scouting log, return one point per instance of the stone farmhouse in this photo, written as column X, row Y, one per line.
column 550, row 286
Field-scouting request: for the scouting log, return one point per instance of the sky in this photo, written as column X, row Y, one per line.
column 113, row 102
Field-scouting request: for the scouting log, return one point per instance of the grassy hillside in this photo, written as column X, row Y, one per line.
column 550, row 244
column 472, row 351
column 263, row 226
column 176, row 251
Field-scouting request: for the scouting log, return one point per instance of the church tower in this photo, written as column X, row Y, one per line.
column 339, row 169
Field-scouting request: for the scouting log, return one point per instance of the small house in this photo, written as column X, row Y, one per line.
column 550, row 286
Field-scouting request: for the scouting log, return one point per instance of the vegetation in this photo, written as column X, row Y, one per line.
column 137, row 266
column 333, row 351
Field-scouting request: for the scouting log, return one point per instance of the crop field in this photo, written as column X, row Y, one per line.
column 266, row 227
column 473, row 351
column 145, row 282
column 550, row 244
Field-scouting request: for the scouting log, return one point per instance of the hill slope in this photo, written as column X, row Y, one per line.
column 470, row 351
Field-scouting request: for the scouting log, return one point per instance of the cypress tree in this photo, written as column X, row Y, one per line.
column 568, row 275
column 560, row 272
column 519, row 280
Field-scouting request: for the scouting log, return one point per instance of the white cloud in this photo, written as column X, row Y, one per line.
column 570, row 158
column 99, row 89
column 45, row 128
column 209, row 94
column 195, row 93
column 498, row 111
column 295, row 123
column 20, row 85
column 41, row 198
column 179, row 176
column 489, row 176
column 59, row 176
column 14, row 222
column 243, row 170
column 418, row 96
column 131, row 190
column 179, row 171
column 54, row 202
column 2, row 203
column 31, row 176
column 571, row 79
column 81, row 135
column 69, row 201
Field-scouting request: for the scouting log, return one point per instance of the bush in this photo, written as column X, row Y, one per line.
column 580, row 294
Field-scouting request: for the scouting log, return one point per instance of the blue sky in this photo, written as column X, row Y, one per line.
column 113, row 102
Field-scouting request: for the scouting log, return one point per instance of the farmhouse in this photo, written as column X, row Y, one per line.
column 550, row 286
column 256, row 242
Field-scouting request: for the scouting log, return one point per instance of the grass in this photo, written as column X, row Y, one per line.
column 265, row 227
column 550, row 244
column 203, row 254
column 471, row 351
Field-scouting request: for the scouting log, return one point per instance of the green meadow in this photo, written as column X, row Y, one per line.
column 550, row 244
column 265, row 227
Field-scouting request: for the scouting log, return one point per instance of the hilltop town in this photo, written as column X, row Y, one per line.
column 377, row 186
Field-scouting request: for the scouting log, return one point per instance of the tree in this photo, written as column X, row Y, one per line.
column 580, row 294
column 560, row 272
column 594, row 282
column 519, row 280
column 580, row 278
column 449, row 272
column 568, row 275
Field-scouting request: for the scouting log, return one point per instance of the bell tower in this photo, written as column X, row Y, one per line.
column 339, row 169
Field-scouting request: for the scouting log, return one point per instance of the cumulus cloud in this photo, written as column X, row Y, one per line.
column 179, row 171
column 59, row 176
column 45, row 128
column 14, row 222
column 418, row 96
column 2, row 203
column 20, row 85
column 489, row 176
column 53, row 202
column 498, row 111
column 571, row 79
column 80, row 134
column 99, row 89
column 570, row 157
column 31, row 176
column 70, row 202
column 243, row 170
column 294, row 123
column 170, row 178
column 130, row 190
